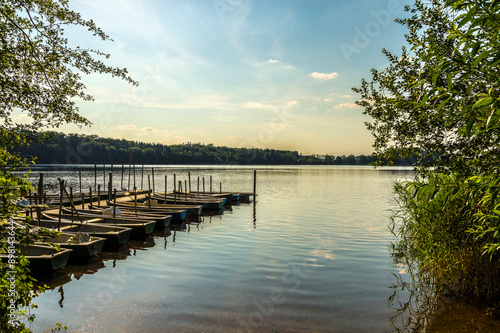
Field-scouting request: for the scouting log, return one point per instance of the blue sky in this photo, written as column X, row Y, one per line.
column 239, row 73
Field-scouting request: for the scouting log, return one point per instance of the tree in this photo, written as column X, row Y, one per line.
column 439, row 98
column 40, row 75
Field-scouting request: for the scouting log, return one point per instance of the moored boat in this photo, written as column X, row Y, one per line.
column 41, row 257
column 82, row 244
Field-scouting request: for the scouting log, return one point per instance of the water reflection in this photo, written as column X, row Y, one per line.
column 419, row 305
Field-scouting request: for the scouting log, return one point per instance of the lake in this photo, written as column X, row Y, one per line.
column 311, row 255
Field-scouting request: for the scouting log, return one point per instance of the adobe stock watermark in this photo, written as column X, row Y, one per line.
column 372, row 29
column 11, row 274
column 291, row 280
column 224, row 8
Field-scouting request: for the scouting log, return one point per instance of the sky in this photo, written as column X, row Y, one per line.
column 238, row 73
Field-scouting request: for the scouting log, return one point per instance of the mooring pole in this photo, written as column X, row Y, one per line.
column 142, row 177
column 40, row 187
column 254, row 184
column 129, row 167
column 121, row 184
column 104, row 175
column 153, row 176
column 80, row 179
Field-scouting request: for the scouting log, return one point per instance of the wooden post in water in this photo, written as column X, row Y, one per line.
column 210, row 184
column 98, row 194
column 203, row 185
column 142, row 177
column 153, row 177
column 135, row 200
column 114, row 202
column 185, row 190
column 254, row 184
column 71, row 200
column 149, row 198
column 198, row 188
column 189, row 177
column 40, row 187
column 175, row 192
column 83, row 201
column 80, row 179
column 133, row 163
column 149, row 183
column 61, row 183
column 104, row 175
column 220, row 188
column 121, row 184
column 95, row 174
column 110, row 184
column 129, row 166
column 91, row 200
column 165, row 188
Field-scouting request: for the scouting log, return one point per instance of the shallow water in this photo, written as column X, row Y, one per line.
column 310, row 255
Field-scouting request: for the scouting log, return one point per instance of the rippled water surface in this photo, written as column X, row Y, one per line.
column 310, row 255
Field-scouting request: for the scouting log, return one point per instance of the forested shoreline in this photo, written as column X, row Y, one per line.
column 54, row 147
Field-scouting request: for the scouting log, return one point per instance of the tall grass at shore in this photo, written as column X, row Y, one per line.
column 448, row 227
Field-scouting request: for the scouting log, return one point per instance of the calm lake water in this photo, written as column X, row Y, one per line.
column 310, row 256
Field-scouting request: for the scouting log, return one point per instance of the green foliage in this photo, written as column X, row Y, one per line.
column 447, row 224
column 40, row 76
column 439, row 101
column 439, row 98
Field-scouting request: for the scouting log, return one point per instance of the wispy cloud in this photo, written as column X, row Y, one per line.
column 324, row 76
column 127, row 127
column 273, row 61
column 346, row 96
column 256, row 105
column 347, row 106
column 149, row 129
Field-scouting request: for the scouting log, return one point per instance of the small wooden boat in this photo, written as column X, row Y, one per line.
column 207, row 203
column 162, row 220
column 41, row 257
column 82, row 244
column 211, row 195
column 114, row 235
column 140, row 228
column 178, row 215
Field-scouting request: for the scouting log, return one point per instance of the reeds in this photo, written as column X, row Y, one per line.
column 448, row 227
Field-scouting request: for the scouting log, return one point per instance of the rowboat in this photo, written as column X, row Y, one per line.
column 162, row 220
column 114, row 235
column 178, row 215
column 207, row 203
column 211, row 195
column 82, row 244
column 140, row 228
column 41, row 257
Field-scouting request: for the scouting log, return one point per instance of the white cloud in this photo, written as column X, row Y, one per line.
column 22, row 118
column 292, row 103
column 288, row 67
column 127, row 127
column 346, row 106
column 324, row 76
column 149, row 129
column 273, row 61
column 346, row 96
column 255, row 105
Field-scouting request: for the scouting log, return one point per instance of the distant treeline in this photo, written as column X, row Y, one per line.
column 87, row 149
